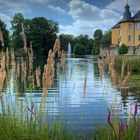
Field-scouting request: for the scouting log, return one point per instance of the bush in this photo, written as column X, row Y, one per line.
column 132, row 63
column 79, row 49
column 95, row 51
column 123, row 49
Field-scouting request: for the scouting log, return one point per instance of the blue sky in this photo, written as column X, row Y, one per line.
column 74, row 16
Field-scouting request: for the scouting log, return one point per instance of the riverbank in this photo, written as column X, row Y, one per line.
column 126, row 63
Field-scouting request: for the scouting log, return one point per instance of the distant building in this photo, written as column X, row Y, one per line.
column 127, row 30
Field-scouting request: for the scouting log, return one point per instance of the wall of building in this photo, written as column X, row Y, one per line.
column 125, row 32
column 115, row 36
column 137, row 33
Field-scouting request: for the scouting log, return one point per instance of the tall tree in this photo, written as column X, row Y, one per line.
column 5, row 34
column 43, row 33
column 65, row 39
column 106, row 39
column 17, row 31
column 97, row 41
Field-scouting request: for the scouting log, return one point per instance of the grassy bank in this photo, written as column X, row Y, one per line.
column 132, row 63
column 15, row 128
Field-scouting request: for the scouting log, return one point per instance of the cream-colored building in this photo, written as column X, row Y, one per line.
column 127, row 30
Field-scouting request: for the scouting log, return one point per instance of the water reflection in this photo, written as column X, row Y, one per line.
column 66, row 99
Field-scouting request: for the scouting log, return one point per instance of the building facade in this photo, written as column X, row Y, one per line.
column 127, row 30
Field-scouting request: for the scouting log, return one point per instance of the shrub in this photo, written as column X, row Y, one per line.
column 79, row 49
column 95, row 51
column 123, row 49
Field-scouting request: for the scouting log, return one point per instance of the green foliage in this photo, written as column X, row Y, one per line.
column 106, row 40
column 65, row 39
column 17, row 31
column 40, row 31
column 79, row 49
column 132, row 63
column 81, row 39
column 123, row 49
column 95, row 51
column 5, row 34
column 97, row 42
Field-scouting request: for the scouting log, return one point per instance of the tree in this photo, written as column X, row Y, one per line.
column 123, row 49
column 5, row 34
column 79, row 49
column 43, row 33
column 97, row 41
column 106, row 40
column 65, row 39
column 85, row 41
column 17, row 31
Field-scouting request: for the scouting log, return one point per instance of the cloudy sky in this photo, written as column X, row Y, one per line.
column 74, row 16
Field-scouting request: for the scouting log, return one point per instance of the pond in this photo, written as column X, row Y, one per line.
column 79, row 107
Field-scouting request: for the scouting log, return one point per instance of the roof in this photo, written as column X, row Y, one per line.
column 136, row 17
column 117, row 25
column 127, row 17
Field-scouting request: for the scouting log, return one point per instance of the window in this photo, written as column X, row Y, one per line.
column 138, row 37
column 138, row 26
column 129, row 26
column 129, row 37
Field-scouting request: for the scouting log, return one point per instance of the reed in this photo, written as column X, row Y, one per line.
column 125, row 79
column 1, row 38
column 30, row 56
column 2, row 73
column 62, row 59
column 85, row 85
column 38, row 74
column 24, row 38
column 23, row 70
column 123, row 68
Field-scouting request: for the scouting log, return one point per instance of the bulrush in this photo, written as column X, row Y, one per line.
column 23, row 70
column 62, row 59
column 85, row 85
column 38, row 74
column 125, row 79
column 2, row 73
column 30, row 56
column 13, row 60
column 24, row 38
column 18, row 70
column 123, row 68
column 1, row 38
column 49, row 70
column 7, row 58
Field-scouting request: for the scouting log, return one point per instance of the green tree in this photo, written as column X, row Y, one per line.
column 123, row 49
column 5, row 34
column 97, row 41
column 85, row 41
column 43, row 33
column 65, row 39
column 79, row 49
column 17, row 31
column 106, row 40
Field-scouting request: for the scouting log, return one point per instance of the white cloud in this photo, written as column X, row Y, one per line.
column 118, row 5
column 57, row 9
column 6, row 19
column 87, row 18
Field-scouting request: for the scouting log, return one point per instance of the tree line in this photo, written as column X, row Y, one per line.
column 43, row 32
